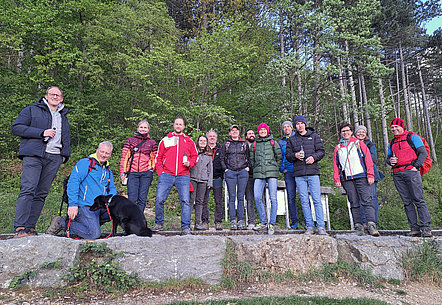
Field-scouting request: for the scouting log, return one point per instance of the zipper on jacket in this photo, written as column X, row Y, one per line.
column 85, row 191
column 177, row 153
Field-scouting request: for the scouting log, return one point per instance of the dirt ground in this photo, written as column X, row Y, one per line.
column 411, row 293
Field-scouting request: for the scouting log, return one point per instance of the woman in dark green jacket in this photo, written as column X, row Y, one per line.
column 266, row 161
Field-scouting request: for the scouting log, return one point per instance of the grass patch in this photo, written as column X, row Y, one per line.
column 424, row 263
column 288, row 301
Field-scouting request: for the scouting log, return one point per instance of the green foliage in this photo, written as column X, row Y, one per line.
column 424, row 263
column 96, row 269
column 52, row 265
column 18, row 280
column 235, row 272
column 342, row 269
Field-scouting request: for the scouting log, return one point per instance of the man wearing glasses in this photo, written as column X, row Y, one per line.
column 44, row 145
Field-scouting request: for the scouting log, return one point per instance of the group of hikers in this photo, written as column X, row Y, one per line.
column 246, row 166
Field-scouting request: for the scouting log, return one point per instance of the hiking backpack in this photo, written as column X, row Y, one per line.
column 427, row 163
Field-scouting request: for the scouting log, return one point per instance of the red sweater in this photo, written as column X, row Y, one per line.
column 171, row 151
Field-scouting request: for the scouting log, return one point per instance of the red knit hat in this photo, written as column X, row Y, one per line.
column 264, row 125
column 398, row 121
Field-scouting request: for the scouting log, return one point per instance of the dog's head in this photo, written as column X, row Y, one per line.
column 100, row 202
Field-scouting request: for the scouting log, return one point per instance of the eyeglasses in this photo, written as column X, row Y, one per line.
column 54, row 95
column 346, row 130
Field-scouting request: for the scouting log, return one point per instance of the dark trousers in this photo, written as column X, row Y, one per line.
column 359, row 193
column 290, row 186
column 409, row 185
column 250, row 198
column 218, row 196
column 36, row 179
column 138, row 185
column 198, row 200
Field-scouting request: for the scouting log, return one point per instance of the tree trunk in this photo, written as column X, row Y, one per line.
column 409, row 119
column 383, row 117
column 398, row 87
column 367, row 112
column 343, row 90
column 426, row 114
column 396, row 114
column 352, row 88
column 281, row 42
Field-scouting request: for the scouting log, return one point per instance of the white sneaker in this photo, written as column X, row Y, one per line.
column 250, row 226
column 321, row 231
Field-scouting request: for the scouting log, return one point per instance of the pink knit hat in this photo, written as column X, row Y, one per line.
column 264, row 125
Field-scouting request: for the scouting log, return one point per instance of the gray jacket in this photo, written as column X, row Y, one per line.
column 203, row 170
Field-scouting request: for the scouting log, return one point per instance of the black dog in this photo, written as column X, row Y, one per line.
column 124, row 213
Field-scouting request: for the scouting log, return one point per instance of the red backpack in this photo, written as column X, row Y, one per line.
column 427, row 163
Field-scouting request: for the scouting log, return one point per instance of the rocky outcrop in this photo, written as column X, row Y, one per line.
column 295, row 253
column 162, row 258
column 381, row 255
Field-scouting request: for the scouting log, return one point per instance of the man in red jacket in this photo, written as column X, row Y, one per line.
column 176, row 155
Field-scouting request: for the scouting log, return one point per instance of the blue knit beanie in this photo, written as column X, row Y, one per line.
column 299, row 118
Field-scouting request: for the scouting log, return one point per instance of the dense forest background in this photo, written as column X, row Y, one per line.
column 221, row 62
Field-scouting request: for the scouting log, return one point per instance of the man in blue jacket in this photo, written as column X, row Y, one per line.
column 44, row 145
column 287, row 170
column 89, row 178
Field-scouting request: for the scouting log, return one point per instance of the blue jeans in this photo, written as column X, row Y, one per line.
column 87, row 223
column 311, row 182
column 165, row 184
column 290, row 186
column 273, row 189
column 36, row 179
column 236, row 186
column 374, row 201
column 138, row 185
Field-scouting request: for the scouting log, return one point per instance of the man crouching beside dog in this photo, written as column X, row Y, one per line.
column 89, row 178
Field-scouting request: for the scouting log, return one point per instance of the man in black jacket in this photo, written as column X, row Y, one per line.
column 44, row 146
column 305, row 150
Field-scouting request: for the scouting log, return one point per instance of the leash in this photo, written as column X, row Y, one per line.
column 78, row 238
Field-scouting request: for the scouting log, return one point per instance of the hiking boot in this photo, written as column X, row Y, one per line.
column 321, row 231
column 233, row 225
column 206, row 226
column 309, row 231
column 371, row 227
column 200, row 227
column 20, row 232
column 241, row 225
column 186, row 231
column 414, row 233
column 271, row 230
column 218, row 226
column 359, row 229
column 426, row 233
column 260, row 227
column 157, row 228
column 250, row 226
column 56, row 225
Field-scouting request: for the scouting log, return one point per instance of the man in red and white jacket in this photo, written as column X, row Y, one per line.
column 176, row 155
